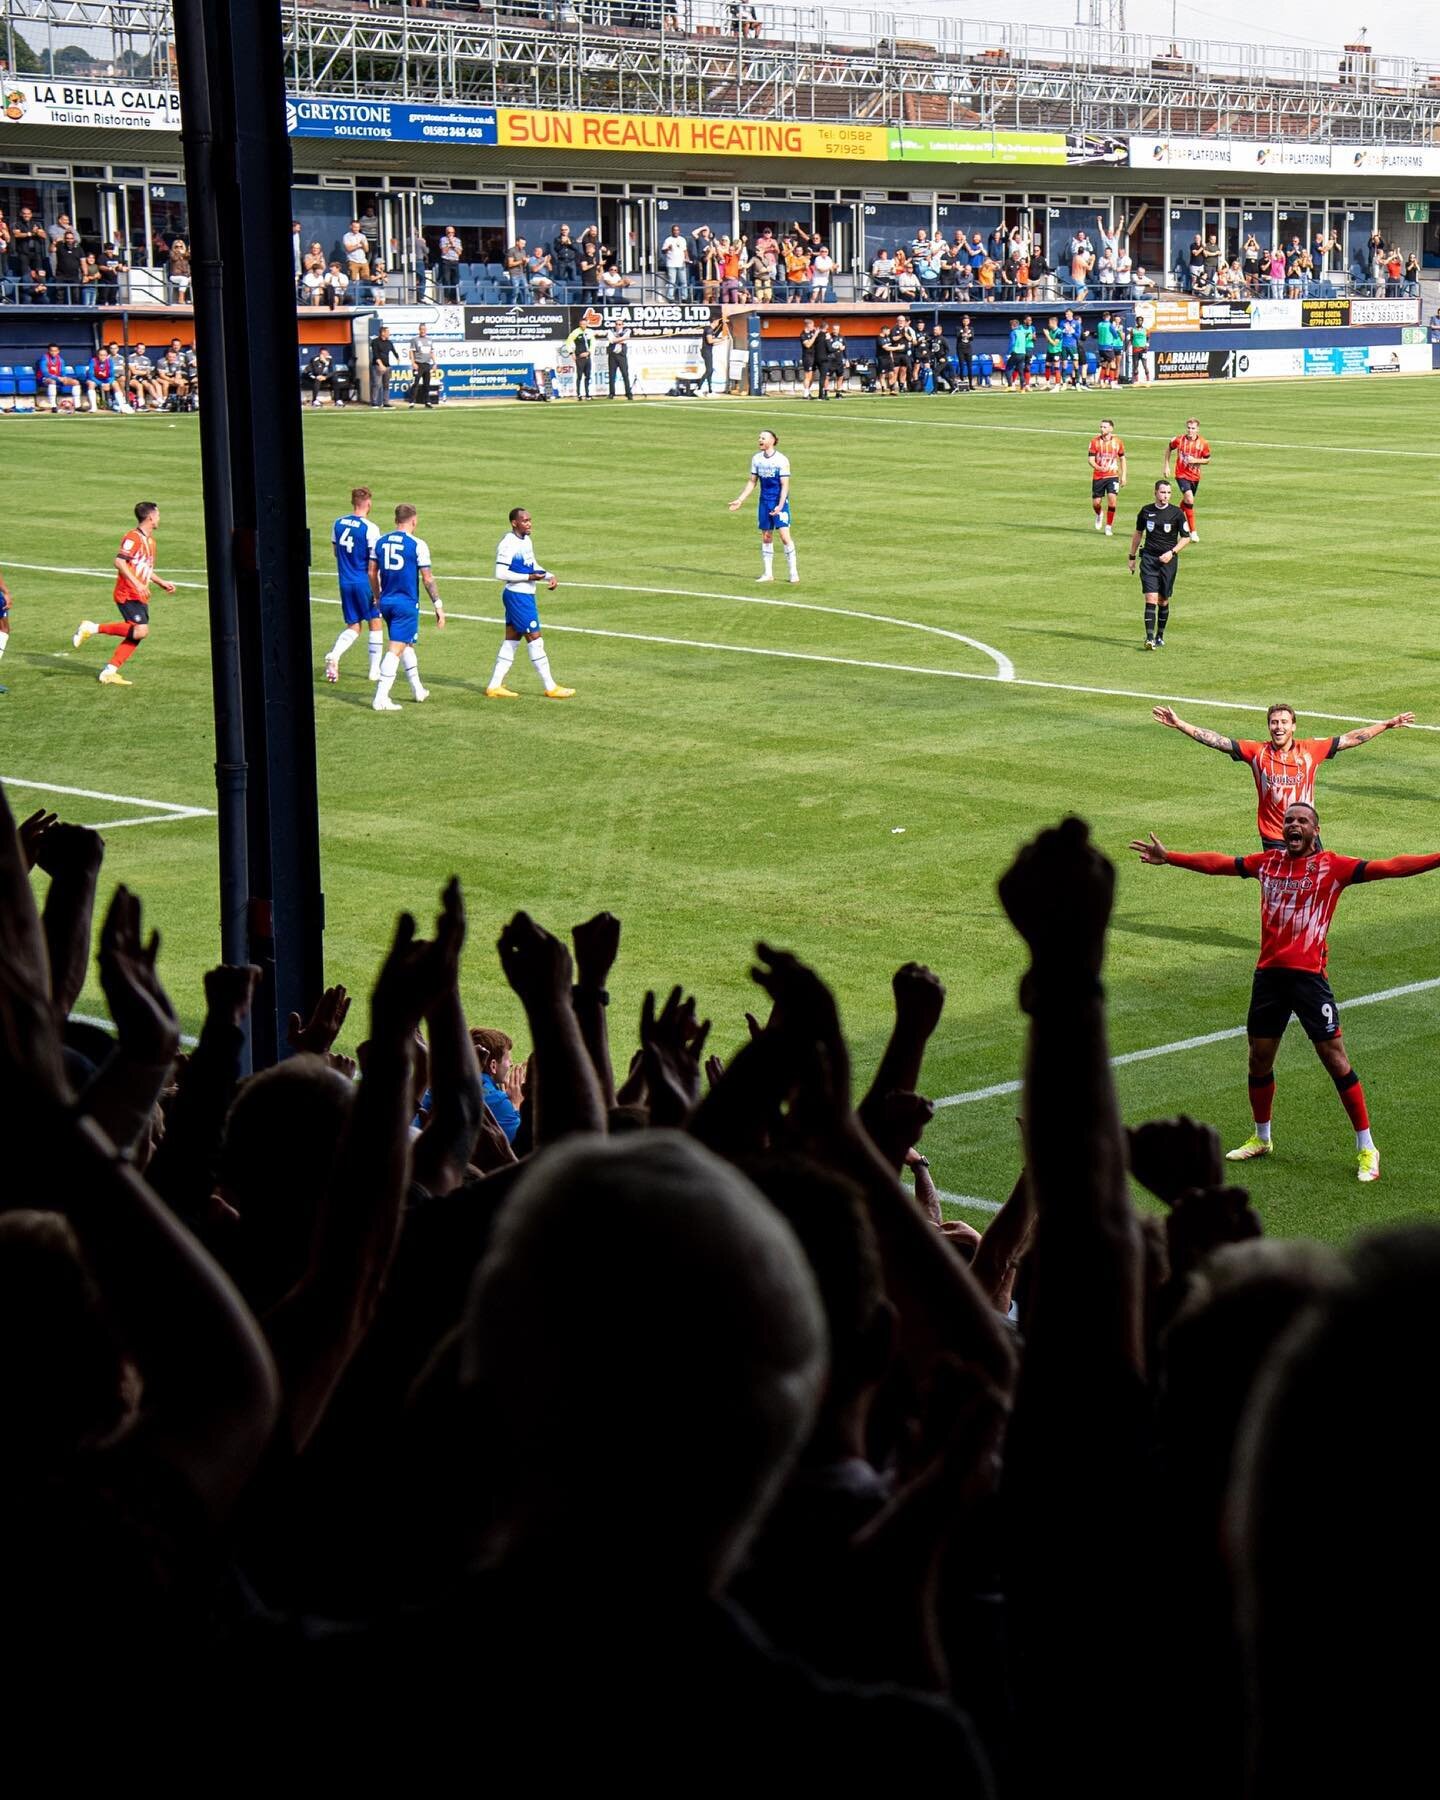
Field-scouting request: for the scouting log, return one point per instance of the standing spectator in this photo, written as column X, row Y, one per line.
column 382, row 360
column 422, row 362
column 297, row 254
column 337, row 284
column 56, row 232
column 314, row 260
column 565, row 261
column 451, row 251
column 759, row 271
column 321, row 377
column 732, row 260
column 67, row 269
column 1250, row 262
column 675, row 261
column 539, row 274
column 1124, row 271
column 588, row 264
column 1412, row 275
column 822, row 268
column 370, row 227
column 517, row 258
column 1394, row 273
column 1082, row 261
column 1105, row 275
column 1274, row 266
column 357, row 252
column 1319, row 254
column 379, row 282
column 1195, row 265
column 618, row 353
column 29, row 244
column 715, row 337
column 700, row 239
column 1214, row 261
column 112, row 267
column 998, row 247
column 89, row 280
column 4, row 244
column 179, row 272
column 420, row 257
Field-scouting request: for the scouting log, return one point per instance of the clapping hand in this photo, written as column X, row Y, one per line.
column 673, row 1048
column 597, row 944
column 144, row 1019
column 31, row 830
column 1171, row 1156
column 1058, row 894
column 536, row 965
column 317, row 1035
column 417, row 972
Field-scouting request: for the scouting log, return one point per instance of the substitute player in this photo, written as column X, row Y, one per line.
column 399, row 562
column 1284, row 766
column 1191, row 454
column 772, row 471
column 1160, row 534
column 1107, row 475
column 1300, row 887
column 135, row 575
column 353, row 538
column 519, row 573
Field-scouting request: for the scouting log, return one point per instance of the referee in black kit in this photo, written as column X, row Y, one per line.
column 618, row 351
column 1160, row 534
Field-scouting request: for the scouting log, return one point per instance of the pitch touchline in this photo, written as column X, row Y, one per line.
column 1190, row 1043
column 849, row 662
column 166, row 811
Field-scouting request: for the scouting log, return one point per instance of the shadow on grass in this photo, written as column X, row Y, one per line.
column 1185, row 934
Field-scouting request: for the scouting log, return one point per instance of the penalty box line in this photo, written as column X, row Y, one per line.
column 1000, row 1088
column 164, row 812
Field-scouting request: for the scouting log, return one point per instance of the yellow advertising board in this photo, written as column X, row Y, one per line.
column 653, row 134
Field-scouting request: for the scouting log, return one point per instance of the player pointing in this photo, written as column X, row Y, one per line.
column 520, row 574
column 1107, row 472
column 134, row 576
column 353, row 538
column 1300, row 887
column 772, row 471
column 1285, row 767
column 399, row 562
column 1191, row 454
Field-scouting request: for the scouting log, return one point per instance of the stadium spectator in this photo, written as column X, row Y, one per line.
column 356, row 245
column 4, row 246
column 796, row 253
column 422, row 363
column 1082, row 263
column 313, row 288
column 502, row 1079
column 1143, row 285
column 998, row 245
column 89, row 280
column 29, row 245
column 617, row 351
column 382, row 360
column 539, row 274
column 1214, row 262
column 1124, row 271
column 882, row 276
column 452, row 253
column 517, row 259
column 315, row 259
column 588, row 265
column 675, row 264
column 378, row 292
column 1105, row 275
column 1275, row 273
column 1195, row 265
column 68, row 269
column 565, row 258
column 1250, row 262
column 759, row 272
column 297, row 253
column 178, row 265
column 322, row 376
column 732, row 256
column 1394, row 273
column 37, row 292
column 337, row 286
column 613, row 279
column 822, row 270
column 112, row 267
column 1412, row 275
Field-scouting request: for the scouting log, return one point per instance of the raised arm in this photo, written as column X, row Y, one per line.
column 1352, row 740
column 597, row 944
column 71, row 856
column 1201, row 862
column 1396, row 868
column 566, row 1092
column 919, row 1000
column 1212, row 740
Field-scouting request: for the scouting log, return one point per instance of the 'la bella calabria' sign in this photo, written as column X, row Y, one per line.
column 98, row 106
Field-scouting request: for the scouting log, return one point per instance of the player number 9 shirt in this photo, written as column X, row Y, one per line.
column 1298, row 897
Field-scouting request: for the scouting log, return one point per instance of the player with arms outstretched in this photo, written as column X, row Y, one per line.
column 1160, row 534
column 1285, row 766
column 1191, row 454
column 771, row 471
column 519, row 573
column 1300, row 887
column 1107, row 475
column 399, row 562
column 353, row 538
column 135, row 575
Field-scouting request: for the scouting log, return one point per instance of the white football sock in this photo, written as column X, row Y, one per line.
column 410, row 663
column 376, row 647
column 1262, row 1130
column 767, row 558
column 790, row 559
column 1363, row 1140
column 347, row 637
column 50, row 393
column 4, row 642
column 389, row 669
column 504, row 657
column 536, row 647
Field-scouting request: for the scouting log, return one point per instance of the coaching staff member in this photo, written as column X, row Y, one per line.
column 618, row 351
column 1160, row 534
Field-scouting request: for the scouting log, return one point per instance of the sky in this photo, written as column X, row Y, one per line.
column 1396, row 27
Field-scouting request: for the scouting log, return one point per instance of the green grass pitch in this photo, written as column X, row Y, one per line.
column 739, row 765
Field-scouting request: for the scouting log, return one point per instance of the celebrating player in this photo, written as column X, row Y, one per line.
column 1285, row 766
column 135, row 574
column 1300, row 887
column 399, row 562
column 1191, row 454
column 353, row 538
column 772, row 471
column 4, row 623
column 1107, row 474
column 519, row 573
column 1161, row 533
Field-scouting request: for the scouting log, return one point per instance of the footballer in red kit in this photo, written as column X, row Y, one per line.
column 1107, row 474
column 1284, row 766
column 1300, row 887
column 134, row 577
column 1191, row 454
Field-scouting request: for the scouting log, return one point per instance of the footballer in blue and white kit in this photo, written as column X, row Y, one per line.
column 399, row 562
column 519, row 573
column 770, row 472
column 353, row 538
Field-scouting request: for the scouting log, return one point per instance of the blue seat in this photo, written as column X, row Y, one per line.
column 25, row 382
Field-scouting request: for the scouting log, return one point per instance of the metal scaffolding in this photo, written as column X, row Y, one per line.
column 811, row 63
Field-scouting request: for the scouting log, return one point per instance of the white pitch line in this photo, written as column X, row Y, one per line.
column 109, row 1025
column 165, row 809
column 1191, row 1043
column 971, row 1200
column 639, row 637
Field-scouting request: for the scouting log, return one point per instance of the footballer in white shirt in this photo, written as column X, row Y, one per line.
column 520, row 574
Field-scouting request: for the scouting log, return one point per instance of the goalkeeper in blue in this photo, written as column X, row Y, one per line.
column 353, row 538
column 519, row 575
column 771, row 471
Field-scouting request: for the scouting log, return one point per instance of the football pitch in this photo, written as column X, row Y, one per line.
column 843, row 767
